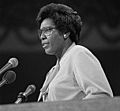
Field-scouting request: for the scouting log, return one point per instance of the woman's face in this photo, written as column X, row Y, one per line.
column 52, row 40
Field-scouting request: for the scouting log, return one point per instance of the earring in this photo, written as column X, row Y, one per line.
column 64, row 35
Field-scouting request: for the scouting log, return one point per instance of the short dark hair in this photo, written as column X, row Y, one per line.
column 64, row 17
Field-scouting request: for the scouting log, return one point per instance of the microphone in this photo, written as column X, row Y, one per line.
column 13, row 62
column 8, row 78
column 23, row 95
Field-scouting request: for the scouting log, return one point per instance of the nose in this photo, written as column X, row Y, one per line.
column 42, row 37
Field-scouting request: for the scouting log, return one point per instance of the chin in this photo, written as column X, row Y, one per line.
column 49, row 52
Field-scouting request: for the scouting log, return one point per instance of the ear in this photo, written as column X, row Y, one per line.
column 66, row 35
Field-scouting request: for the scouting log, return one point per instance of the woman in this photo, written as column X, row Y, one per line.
column 77, row 74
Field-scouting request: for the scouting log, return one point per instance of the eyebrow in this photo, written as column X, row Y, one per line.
column 47, row 27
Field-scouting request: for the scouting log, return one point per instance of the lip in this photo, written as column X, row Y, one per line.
column 44, row 45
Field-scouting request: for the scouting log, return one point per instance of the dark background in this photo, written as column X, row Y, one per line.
column 34, row 63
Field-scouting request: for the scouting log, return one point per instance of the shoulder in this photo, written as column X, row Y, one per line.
column 79, row 49
column 81, row 52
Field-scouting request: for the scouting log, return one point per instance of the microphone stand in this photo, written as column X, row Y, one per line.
column 21, row 98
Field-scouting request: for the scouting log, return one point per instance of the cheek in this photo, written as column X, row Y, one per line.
column 54, row 41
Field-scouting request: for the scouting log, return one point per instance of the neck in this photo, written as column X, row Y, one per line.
column 61, row 52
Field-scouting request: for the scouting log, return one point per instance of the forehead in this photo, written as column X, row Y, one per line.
column 47, row 23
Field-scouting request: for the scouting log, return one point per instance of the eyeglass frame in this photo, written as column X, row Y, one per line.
column 46, row 31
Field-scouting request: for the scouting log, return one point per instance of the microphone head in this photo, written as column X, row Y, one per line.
column 13, row 62
column 30, row 89
column 9, row 77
